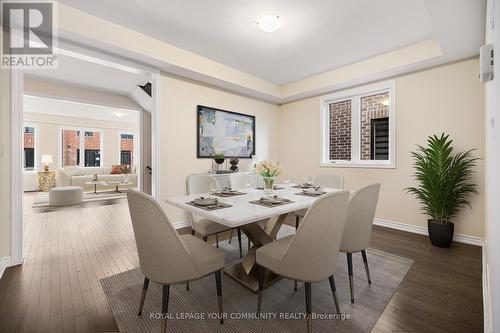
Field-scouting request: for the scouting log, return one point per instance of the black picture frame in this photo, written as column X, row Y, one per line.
column 199, row 109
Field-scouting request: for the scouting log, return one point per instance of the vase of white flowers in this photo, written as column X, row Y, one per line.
column 269, row 170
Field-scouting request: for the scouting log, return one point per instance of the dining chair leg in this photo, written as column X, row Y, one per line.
column 143, row 296
column 192, row 231
column 231, row 236
column 297, row 219
column 205, row 238
column 262, row 277
column 351, row 278
column 164, row 306
column 295, row 285
column 365, row 261
column 334, row 292
column 187, row 286
column 218, row 283
column 238, row 230
column 249, row 244
column 307, row 286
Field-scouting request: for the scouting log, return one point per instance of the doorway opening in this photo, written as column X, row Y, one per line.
column 90, row 124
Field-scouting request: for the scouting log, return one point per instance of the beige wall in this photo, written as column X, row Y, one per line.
column 448, row 98
column 48, row 140
column 5, row 164
column 179, row 99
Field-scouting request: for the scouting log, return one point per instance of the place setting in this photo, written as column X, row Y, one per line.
column 312, row 192
column 228, row 192
column 207, row 203
column 271, row 201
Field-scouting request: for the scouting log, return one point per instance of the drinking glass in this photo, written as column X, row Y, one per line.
column 213, row 187
column 248, row 184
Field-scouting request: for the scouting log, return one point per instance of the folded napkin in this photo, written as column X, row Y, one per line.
column 202, row 201
column 274, row 200
column 314, row 191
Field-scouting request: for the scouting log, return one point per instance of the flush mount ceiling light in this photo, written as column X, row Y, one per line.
column 119, row 114
column 269, row 22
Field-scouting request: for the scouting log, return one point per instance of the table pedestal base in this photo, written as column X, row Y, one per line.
column 250, row 281
column 247, row 271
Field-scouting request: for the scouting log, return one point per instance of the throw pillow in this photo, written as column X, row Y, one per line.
column 116, row 169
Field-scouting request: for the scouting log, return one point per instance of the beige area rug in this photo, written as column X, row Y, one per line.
column 193, row 311
column 42, row 198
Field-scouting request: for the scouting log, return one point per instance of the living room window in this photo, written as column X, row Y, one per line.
column 92, row 148
column 358, row 127
column 29, row 139
column 85, row 151
column 126, row 149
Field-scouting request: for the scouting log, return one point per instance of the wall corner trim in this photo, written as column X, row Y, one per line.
column 5, row 262
column 472, row 240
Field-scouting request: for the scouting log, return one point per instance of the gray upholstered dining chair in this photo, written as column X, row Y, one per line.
column 199, row 184
column 164, row 256
column 330, row 180
column 358, row 228
column 310, row 255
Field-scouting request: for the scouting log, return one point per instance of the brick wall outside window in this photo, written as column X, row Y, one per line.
column 127, row 144
column 340, row 130
column 29, row 140
column 93, row 142
column 71, row 144
column 371, row 108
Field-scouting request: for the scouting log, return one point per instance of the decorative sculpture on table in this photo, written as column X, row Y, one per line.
column 234, row 164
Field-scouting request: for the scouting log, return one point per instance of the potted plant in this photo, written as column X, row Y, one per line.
column 444, row 185
column 269, row 170
column 219, row 158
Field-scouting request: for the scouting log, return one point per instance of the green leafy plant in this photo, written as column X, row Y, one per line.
column 218, row 156
column 126, row 169
column 444, row 178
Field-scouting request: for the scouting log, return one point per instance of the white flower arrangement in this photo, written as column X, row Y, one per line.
column 269, row 168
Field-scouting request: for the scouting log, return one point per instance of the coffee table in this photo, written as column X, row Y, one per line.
column 117, row 185
column 95, row 183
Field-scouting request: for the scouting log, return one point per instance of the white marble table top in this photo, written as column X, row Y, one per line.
column 242, row 211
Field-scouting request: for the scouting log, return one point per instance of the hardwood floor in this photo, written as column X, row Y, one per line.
column 67, row 251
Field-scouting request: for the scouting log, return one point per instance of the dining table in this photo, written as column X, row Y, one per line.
column 259, row 221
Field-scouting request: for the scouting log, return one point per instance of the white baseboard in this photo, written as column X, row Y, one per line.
column 472, row 240
column 4, row 263
column 182, row 224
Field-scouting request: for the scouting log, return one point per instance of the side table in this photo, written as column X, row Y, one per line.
column 46, row 180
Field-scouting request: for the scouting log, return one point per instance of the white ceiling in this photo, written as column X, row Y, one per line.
column 58, row 107
column 88, row 74
column 317, row 35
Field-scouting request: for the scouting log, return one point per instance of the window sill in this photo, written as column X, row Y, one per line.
column 357, row 165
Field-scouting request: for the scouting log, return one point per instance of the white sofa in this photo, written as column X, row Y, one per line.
column 78, row 176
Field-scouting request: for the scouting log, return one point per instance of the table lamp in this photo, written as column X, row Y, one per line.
column 46, row 159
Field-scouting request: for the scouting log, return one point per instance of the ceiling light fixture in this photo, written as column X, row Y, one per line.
column 119, row 114
column 269, row 22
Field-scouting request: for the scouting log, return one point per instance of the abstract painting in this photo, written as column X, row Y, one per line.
column 226, row 132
